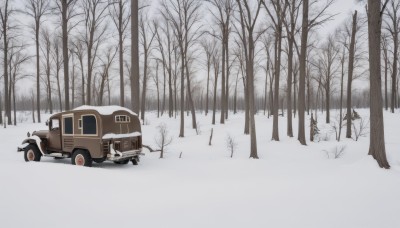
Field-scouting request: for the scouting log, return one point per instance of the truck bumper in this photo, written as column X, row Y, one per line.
column 116, row 155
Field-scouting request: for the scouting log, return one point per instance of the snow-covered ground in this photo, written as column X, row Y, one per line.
column 289, row 186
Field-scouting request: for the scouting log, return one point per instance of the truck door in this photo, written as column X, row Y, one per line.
column 54, row 135
column 67, row 133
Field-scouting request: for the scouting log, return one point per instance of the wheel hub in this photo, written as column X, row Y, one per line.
column 79, row 160
column 30, row 155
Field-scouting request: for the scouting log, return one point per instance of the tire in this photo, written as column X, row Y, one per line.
column 32, row 153
column 123, row 162
column 135, row 161
column 99, row 160
column 81, row 158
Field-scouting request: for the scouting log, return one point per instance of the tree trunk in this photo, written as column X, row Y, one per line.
column 222, row 120
column 121, row 55
column 394, row 68
column 59, row 90
column 182, row 125
column 1, row 110
column 144, row 86
column 208, row 85
column 278, row 48
column 190, row 99
column 377, row 135
column 250, row 82
column 341, row 97
column 37, row 29
column 216, row 70
column 303, row 54
column 386, row 76
column 350, row 75
column 247, row 108
column 290, row 75
column 65, row 52
column 227, row 71
column 135, row 77
column 14, row 104
column 33, row 108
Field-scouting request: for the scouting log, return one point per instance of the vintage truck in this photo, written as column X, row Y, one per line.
column 87, row 134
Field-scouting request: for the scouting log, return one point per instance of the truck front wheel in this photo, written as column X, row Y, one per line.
column 32, row 153
column 81, row 158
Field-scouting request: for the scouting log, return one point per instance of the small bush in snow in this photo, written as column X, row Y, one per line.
column 231, row 144
column 163, row 139
column 360, row 129
column 198, row 128
column 336, row 153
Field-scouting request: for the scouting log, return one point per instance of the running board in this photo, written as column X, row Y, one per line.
column 56, row 155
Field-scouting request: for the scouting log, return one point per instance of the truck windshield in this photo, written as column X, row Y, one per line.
column 54, row 124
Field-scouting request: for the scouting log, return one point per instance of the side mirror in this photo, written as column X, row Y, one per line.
column 47, row 123
column 28, row 134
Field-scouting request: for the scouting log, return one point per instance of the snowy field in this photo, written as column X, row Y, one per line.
column 289, row 186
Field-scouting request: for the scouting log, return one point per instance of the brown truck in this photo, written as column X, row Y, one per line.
column 87, row 134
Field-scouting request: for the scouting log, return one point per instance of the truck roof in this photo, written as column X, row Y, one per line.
column 104, row 110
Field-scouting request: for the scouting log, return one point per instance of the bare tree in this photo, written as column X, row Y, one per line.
column 327, row 69
column 377, row 136
column 302, row 78
column 66, row 9
column 135, row 76
column 163, row 138
column 5, row 12
column 216, row 63
column 290, row 25
column 318, row 18
column 120, row 17
column 209, row 49
column 94, row 12
column 156, row 80
column 147, row 38
column 184, row 16
column 392, row 25
column 105, row 74
column 46, row 51
column 36, row 9
column 386, row 59
column 277, row 17
column 224, row 10
column 58, row 61
column 350, row 73
column 79, row 50
column 248, row 20
column 18, row 57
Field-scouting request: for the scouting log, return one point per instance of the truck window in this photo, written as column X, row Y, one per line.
column 89, row 125
column 122, row 119
column 68, row 125
column 54, row 124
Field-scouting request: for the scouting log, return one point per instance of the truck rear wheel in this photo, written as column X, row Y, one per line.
column 123, row 162
column 32, row 153
column 81, row 158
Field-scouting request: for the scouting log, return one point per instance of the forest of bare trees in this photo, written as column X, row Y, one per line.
column 223, row 56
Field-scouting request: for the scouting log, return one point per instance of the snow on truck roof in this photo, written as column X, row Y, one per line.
column 104, row 110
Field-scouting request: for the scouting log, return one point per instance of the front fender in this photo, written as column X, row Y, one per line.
column 31, row 140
